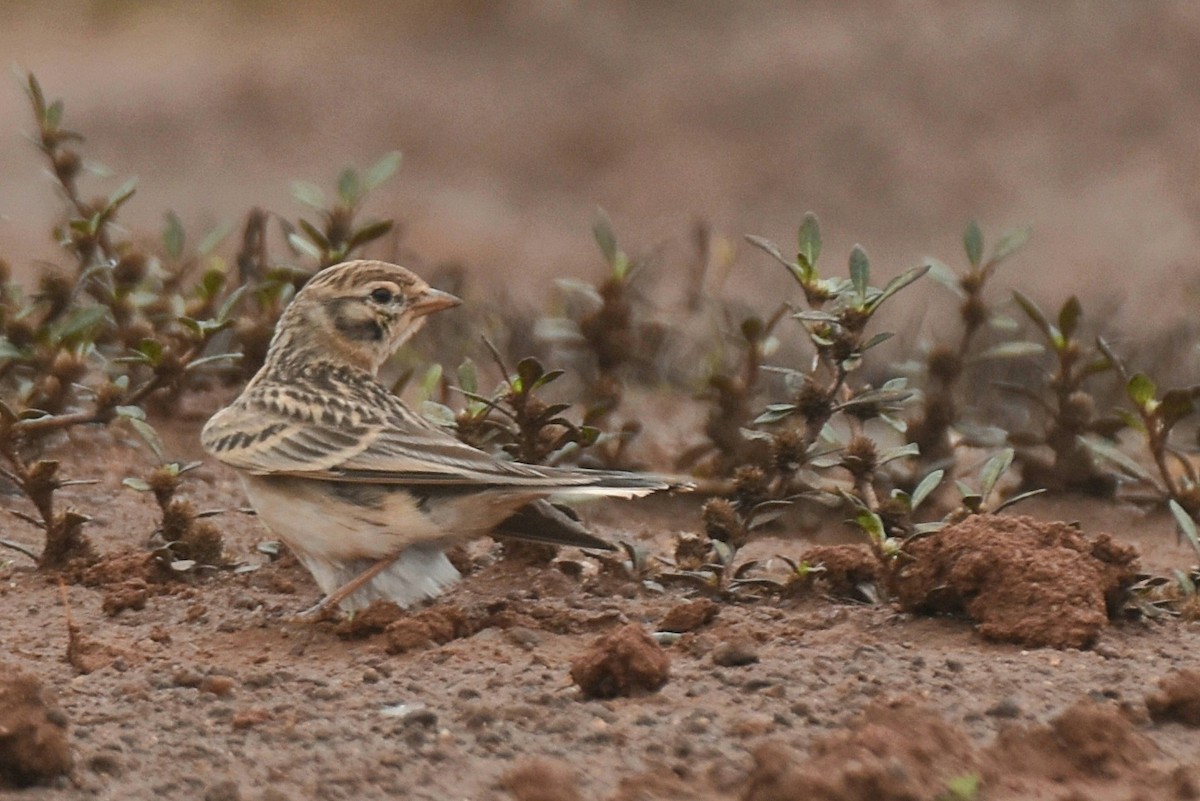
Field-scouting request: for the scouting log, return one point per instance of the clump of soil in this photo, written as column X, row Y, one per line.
column 373, row 620
column 689, row 616
column 543, row 780
column 622, row 662
column 846, row 568
column 132, row 594
column 437, row 625
column 901, row 751
column 1091, row 744
column 894, row 751
column 1177, row 699
column 33, row 731
column 1022, row 580
column 116, row 568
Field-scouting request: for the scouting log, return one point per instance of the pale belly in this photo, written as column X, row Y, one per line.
column 320, row 520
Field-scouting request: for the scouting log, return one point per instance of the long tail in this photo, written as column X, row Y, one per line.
column 542, row 521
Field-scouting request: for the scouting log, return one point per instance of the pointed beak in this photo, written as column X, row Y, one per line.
column 433, row 300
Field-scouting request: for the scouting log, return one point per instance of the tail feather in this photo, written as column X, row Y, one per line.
column 541, row 521
column 417, row 574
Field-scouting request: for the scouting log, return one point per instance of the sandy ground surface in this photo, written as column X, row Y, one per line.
column 895, row 122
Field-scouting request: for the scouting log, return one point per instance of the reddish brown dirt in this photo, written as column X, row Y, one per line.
column 33, row 731
column 892, row 752
column 904, row 751
column 624, row 662
column 1177, row 698
column 208, row 689
column 1022, row 580
column 844, row 568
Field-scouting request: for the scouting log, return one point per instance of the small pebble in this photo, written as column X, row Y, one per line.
column 1004, row 708
column 735, row 654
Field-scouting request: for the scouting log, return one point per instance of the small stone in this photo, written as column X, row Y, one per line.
column 1004, row 708
column 524, row 637
column 425, row 718
column 227, row 790
column 752, row 725
column 735, row 653
column 249, row 718
column 217, row 685
column 689, row 616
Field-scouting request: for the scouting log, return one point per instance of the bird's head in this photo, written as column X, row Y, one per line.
column 357, row 312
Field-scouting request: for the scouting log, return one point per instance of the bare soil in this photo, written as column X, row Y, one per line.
column 896, row 123
column 203, row 687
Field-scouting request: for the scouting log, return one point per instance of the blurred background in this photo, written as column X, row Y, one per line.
column 895, row 122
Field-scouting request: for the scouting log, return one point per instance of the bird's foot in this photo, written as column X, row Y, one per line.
column 318, row 612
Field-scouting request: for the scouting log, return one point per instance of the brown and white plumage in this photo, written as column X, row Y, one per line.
column 351, row 478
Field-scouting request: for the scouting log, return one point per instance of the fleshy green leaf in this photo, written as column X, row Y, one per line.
column 1009, row 244
column 213, row 238
column 774, row 413
column 1176, row 405
column 1068, row 317
column 945, row 276
column 383, row 169
column 10, row 351
column 369, row 233
column 1014, row 500
column 860, row 272
column 900, row 452
column 1186, row 525
column 993, row 469
column 302, row 245
column 309, row 194
column 468, row 376
column 149, row 435
column 227, row 307
column 529, row 370
column 437, row 413
column 927, row 485
column 80, row 322
column 1141, row 389
column 802, row 273
column 607, row 240
column 54, row 114
column 896, row 284
column 878, row 339
column 1033, row 313
column 1011, row 350
column 350, row 187
column 871, row 523
column 973, row 243
column 752, row 329
column 1120, row 459
column 810, row 239
column 122, row 194
column 173, row 236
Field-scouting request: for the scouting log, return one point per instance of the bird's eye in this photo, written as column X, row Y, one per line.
column 381, row 295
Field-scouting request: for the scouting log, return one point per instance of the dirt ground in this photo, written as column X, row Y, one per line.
column 205, row 689
column 895, row 122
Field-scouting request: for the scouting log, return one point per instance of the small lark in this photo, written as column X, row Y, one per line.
column 366, row 492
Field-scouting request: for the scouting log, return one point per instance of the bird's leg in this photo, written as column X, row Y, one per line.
column 331, row 601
